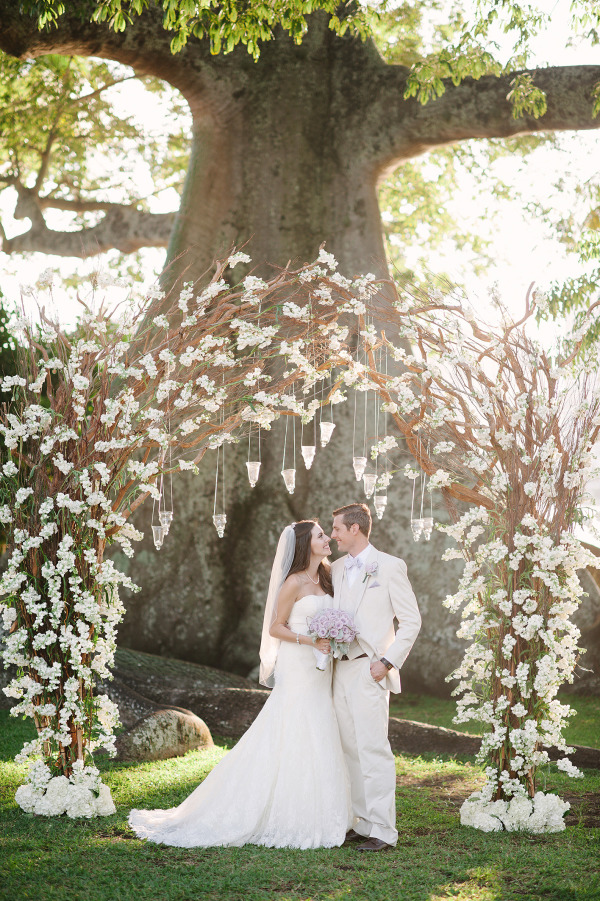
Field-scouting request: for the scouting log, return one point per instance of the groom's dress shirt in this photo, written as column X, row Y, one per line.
column 355, row 565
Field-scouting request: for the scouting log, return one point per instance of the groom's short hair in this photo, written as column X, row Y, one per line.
column 356, row 513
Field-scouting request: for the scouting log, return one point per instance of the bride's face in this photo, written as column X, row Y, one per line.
column 319, row 542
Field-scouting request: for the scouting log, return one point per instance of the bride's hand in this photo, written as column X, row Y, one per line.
column 322, row 644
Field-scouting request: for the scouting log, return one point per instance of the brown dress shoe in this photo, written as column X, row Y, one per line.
column 352, row 836
column 373, row 844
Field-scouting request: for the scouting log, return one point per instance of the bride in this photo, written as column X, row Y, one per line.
column 284, row 784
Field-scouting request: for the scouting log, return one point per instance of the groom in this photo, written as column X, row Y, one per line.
column 374, row 589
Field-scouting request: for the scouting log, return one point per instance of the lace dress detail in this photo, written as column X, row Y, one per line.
column 284, row 785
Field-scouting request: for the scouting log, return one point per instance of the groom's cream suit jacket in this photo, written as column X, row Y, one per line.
column 374, row 601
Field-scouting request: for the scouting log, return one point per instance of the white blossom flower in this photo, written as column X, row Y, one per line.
column 65, row 466
column 238, row 257
column 5, row 514
column 569, row 768
column 22, row 495
column 327, row 259
column 443, row 447
column 440, row 479
column 11, row 381
column 46, row 278
column 293, row 311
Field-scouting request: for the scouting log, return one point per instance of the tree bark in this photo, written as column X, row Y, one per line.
column 286, row 154
column 276, row 165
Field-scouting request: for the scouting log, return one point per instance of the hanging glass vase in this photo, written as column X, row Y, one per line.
column 417, row 528
column 427, row 527
column 289, row 472
column 220, row 520
column 326, row 432
column 380, row 503
column 369, row 480
column 359, row 464
column 158, row 535
column 308, row 454
column 166, row 518
column 253, row 467
column 289, row 477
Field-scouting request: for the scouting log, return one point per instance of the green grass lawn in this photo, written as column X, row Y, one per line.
column 583, row 728
column 101, row 860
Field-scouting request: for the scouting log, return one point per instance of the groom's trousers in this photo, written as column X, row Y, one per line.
column 362, row 711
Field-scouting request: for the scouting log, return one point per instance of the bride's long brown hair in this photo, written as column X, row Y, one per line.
column 302, row 553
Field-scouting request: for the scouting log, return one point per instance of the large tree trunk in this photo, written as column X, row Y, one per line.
column 277, row 161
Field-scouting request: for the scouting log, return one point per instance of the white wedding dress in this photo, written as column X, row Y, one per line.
column 284, row 784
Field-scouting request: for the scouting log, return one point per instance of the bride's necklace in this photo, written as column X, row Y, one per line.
column 314, row 581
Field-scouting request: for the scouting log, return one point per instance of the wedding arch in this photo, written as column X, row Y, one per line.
column 99, row 422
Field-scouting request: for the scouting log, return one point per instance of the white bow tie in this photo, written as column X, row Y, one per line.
column 352, row 562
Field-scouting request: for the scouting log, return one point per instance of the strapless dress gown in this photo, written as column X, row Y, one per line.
column 285, row 783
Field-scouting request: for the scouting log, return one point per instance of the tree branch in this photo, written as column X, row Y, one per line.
column 46, row 154
column 144, row 45
column 476, row 109
column 123, row 228
column 109, row 84
column 47, row 201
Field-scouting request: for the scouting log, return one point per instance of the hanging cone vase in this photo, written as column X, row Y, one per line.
column 369, row 480
column 427, row 527
column 359, row 464
column 308, row 454
column 219, row 521
column 166, row 518
column 289, row 477
column 326, row 432
column 417, row 528
column 380, row 503
column 158, row 535
column 253, row 467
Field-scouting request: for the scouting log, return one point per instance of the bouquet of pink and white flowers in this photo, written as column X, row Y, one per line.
column 338, row 627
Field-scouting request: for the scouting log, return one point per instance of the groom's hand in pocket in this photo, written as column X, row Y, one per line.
column 378, row 670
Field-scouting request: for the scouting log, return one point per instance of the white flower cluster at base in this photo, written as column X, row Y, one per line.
column 83, row 794
column 542, row 813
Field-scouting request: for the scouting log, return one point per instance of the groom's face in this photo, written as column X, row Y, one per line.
column 341, row 533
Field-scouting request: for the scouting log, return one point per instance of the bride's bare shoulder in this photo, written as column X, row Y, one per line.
column 293, row 581
column 294, row 577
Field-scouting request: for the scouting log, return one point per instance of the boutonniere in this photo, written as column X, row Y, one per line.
column 370, row 570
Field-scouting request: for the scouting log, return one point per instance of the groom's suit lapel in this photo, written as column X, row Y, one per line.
column 363, row 582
